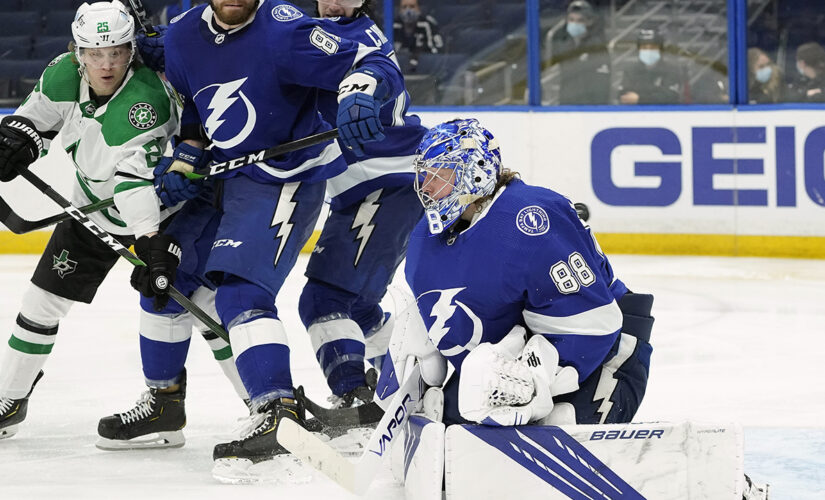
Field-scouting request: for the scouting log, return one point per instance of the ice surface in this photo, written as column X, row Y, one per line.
column 735, row 340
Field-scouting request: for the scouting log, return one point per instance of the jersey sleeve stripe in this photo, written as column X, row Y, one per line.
column 603, row 320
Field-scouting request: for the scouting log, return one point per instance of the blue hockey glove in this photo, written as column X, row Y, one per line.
column 360, row 96
column 171, row 184
column 151, row 48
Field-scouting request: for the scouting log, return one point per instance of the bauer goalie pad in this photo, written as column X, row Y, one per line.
column 662, row 461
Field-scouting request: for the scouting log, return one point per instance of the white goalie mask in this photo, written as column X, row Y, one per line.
column 457, row 163
column 103, row 25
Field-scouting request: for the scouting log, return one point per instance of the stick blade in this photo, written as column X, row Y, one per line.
column 309, row 448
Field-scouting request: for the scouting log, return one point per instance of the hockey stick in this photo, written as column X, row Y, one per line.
column 139, row 11
column 19, row 225
column 358, row 416
column 358, row 475
column 265, row 154
column 124, row 252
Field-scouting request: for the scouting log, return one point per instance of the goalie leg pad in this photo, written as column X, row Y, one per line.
column 422, row 467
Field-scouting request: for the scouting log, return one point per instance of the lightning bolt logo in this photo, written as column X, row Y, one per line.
column 221, row 101
column 283, row 214
column 607, row 382
column 442, row 311
column 363, row 219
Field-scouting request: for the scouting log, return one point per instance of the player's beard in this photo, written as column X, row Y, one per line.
column 236, row 17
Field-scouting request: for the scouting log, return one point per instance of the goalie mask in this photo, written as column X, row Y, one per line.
column 457, row 163
column 99, row 29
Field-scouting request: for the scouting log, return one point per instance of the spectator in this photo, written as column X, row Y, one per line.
column 810, row 85
column 580, row 50
column 651, row 79
column 764, row 78
column 415, row 32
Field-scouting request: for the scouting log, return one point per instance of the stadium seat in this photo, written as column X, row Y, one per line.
column 24, row 23
column 59, row 22
column 442, row 66
column 15, row 47
column 49, row 47
column 474, row 39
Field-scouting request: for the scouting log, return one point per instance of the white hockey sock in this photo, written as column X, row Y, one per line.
column 31, row 341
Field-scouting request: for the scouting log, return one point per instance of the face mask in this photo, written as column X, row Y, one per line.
column 764, row 74
column 576, row 29
column 800, row 70
column 409, row 15
column 649, row 56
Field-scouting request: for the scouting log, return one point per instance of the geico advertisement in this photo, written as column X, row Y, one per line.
column 710, row 172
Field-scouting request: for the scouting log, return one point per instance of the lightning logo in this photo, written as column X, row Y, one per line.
column 607, row 383
column 283, row 214
column 363, row 219
column 442, row 311
column 220, row 103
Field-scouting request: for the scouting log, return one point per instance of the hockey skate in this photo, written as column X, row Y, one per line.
column 257, row 456
column 155, row 422
column 13, row 411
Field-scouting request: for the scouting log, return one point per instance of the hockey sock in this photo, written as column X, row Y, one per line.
column 164, row 344
column 32, row 339
column 338, row 343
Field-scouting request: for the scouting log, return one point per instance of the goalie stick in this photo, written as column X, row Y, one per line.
column 358, row 475
column 124, row 252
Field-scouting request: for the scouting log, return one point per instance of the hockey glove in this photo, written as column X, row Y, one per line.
column 171, row 184
column 20, row 145
column 161, row 253
column 151, row 49
column 360, row 96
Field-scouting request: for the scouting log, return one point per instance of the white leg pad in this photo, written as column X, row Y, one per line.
column 665, row 461
column 420, row 462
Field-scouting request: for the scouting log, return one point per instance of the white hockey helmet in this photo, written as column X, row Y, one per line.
column 103, row 24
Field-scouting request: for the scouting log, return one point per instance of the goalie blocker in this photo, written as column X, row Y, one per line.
column 678, row 461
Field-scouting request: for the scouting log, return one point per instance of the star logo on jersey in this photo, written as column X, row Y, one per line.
column 63, row 265
column 143, row 116
column 443, row 310
column 532, row 221
column 286, row 13
column 231, row 117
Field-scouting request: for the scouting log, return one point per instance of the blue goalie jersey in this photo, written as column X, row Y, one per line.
column 527, row 260
column 256, row 86
column 386, row 163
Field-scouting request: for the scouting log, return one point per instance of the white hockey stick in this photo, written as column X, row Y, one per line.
column 355, row 476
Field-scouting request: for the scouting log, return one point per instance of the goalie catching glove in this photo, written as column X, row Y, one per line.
column 20, row 146
column 501, row 386
column 360, row 96
column 161, row 254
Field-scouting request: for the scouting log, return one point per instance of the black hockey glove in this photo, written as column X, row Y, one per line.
column 20, row 145
column 161, row 253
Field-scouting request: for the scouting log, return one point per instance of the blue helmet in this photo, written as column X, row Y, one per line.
column 457, row 163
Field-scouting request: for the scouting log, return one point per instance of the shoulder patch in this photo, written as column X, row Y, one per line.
column 143, row 116
column 285, row 13
column 324, row 41
column 533, row 221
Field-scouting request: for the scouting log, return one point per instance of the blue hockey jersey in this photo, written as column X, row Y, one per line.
column 385, row 163
column 528, row 260
column 256, row 86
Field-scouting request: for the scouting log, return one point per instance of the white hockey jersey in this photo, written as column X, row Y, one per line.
column 114, row 147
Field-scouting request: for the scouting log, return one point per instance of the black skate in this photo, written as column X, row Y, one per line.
column 13, row 411
column 258, row 456
column 155, row 422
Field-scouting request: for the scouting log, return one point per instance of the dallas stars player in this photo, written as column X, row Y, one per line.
column 116, row 118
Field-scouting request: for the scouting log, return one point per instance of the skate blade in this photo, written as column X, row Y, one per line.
column 7, row 432
column 283, row 469
column 172, row 439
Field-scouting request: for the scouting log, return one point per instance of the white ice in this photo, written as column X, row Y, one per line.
column 735, row 340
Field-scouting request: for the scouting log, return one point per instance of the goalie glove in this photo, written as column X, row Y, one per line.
column 497, row 388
